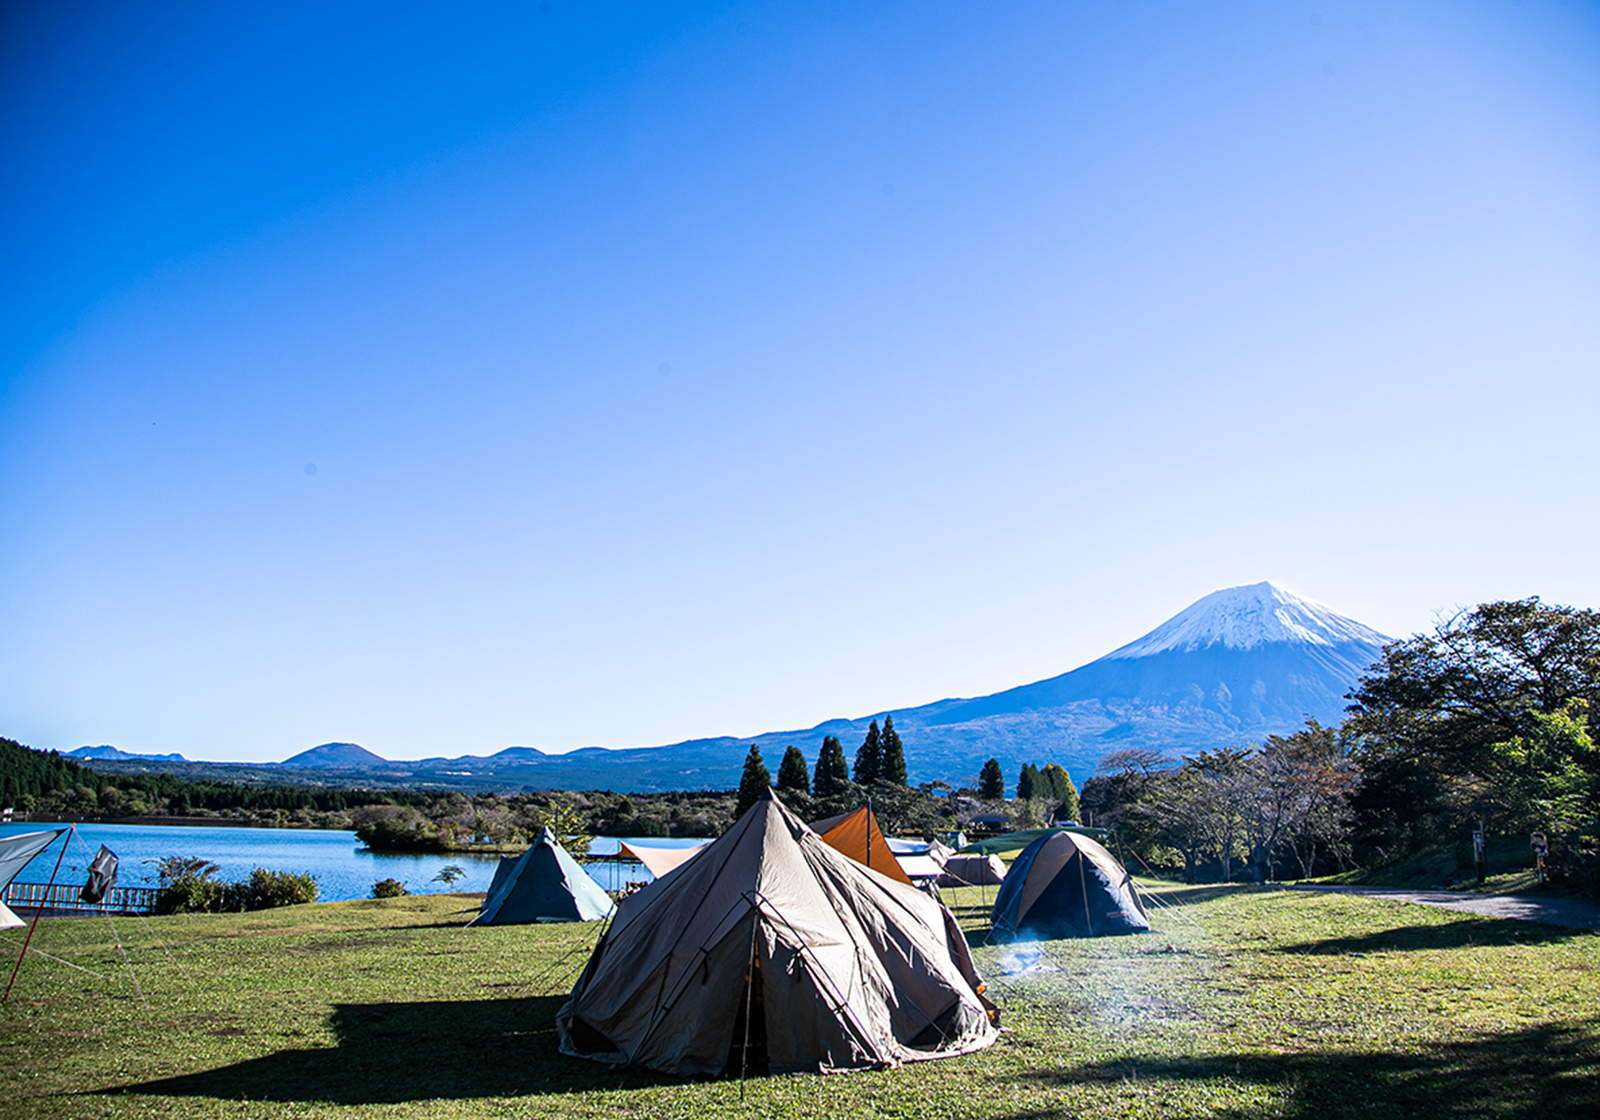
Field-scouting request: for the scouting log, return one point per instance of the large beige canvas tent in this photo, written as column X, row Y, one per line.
column 772, row 952
column 973, row 871
column 858, row 836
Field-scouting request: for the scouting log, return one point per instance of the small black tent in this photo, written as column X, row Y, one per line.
column 1067, row 885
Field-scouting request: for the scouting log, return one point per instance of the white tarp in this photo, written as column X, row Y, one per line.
column 659, row 861
column 16, row 852
column 920, row 867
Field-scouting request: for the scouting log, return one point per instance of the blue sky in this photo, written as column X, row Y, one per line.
column 608, row 373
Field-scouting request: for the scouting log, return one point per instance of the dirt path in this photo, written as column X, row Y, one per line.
column 1550, row 911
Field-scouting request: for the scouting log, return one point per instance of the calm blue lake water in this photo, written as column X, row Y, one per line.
column 343, row 869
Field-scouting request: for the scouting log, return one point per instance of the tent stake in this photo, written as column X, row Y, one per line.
column 37, row 914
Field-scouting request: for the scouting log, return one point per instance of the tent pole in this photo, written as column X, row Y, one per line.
column 1083, row 878
column 39, row 913
column 749, row 995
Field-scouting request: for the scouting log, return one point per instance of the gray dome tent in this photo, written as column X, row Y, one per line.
column 543, row 884
column 770, row 950
column 1067, row 885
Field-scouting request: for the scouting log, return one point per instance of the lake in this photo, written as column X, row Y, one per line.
column 342, row 867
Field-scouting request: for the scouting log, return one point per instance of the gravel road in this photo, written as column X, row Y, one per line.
column 1550, row 911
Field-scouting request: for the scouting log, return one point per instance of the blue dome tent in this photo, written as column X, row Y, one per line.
column 1067, row 885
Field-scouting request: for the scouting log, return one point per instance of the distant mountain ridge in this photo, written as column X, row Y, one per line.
column 336, row 756
column 1233, row 667
column 105, row 753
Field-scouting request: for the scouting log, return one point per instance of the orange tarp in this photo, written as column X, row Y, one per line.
column 858, row 836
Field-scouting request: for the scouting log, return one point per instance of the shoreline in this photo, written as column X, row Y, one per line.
column 178, row 822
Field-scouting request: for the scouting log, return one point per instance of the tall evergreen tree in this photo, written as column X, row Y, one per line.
column 991, row 782
column 833, row 770
column 793, row 777
column 1029, row 784
column 754, row 783
column 892, row 763
column 869, row 759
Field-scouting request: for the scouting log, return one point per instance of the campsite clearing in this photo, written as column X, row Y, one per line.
column 1245, row 1002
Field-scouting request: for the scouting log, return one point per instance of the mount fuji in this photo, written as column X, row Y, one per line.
column 1232, row 668
column 1237, row 665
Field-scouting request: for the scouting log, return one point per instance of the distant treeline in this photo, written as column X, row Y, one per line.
column 454, row 821
column 45, row 783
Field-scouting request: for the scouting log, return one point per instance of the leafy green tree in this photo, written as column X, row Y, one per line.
column 569, row 824
column 833, row 771
column 1217, row 795
column 1548, row 774
column 1028, row 813
column 869, row 758
column 1302, row 804
column 1118, row 795
column 991, row 781
column 1174, row 806
column 793, row 777
column 1428, row 720
column 892, row 766
column 1550, row 781
column 903, row 810
column 396, row 828
column 1060, row 789
column 754, row 783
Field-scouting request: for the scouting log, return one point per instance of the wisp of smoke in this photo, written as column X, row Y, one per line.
column 1025, row 959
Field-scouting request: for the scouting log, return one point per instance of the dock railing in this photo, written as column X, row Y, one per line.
column 63, row 898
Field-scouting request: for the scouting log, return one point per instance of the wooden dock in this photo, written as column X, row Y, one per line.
column 63, row 898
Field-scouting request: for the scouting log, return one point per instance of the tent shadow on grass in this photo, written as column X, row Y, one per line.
column 1492, row 932
column 391, row 1053
column 1545, row 1072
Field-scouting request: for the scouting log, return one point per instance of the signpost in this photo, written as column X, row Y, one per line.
column 1479, row 858
column 1541, row 847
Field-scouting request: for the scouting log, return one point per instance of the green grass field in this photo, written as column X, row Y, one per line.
column 1244, row 1003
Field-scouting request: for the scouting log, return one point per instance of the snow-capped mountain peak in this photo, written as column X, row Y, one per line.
column 1246, row 617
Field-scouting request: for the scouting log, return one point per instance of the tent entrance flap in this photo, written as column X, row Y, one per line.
column 809, row 1015
column 747, row 1051
column 701, row 994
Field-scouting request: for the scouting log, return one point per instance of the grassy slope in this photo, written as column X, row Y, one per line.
column 1245, row 1003
column 1511, row 870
